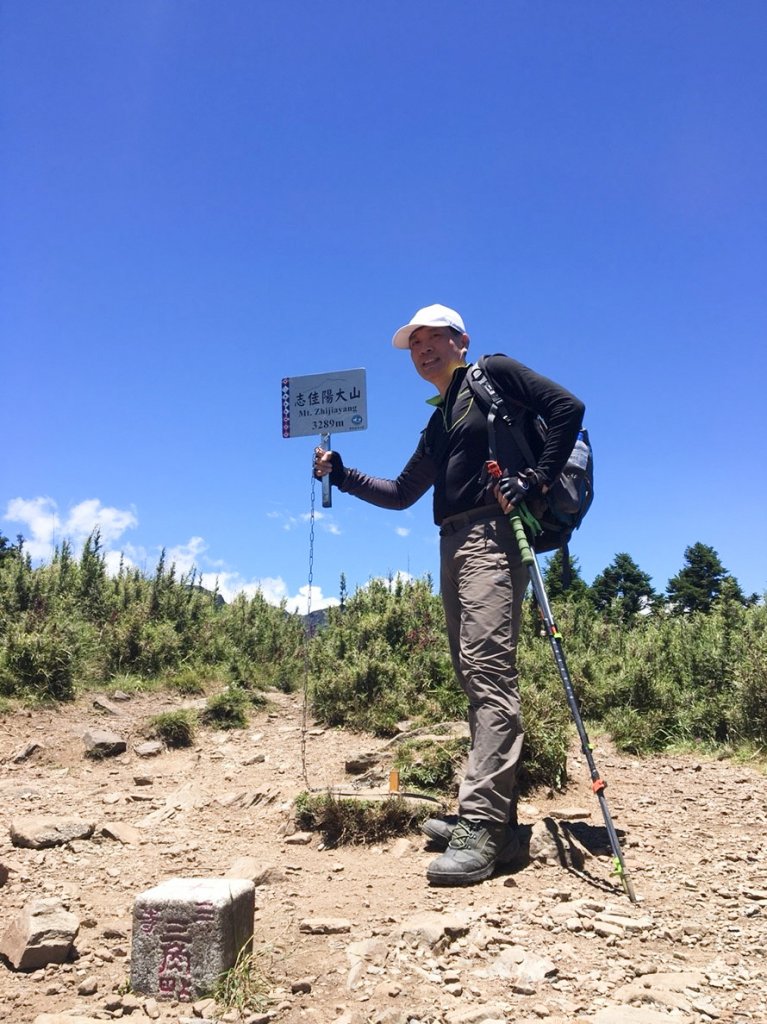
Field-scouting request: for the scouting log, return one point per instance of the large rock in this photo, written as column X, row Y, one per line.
column 36, row 833
column 43, row 933
column 254, row 869
column 630, row 1015
column 122, row 832
column 434, row 929
column 102, row 703
column 65, row 1018
column 521, row 965
column 552, row 842
column 103, row 743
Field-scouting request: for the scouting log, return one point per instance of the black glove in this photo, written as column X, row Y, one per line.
column 337, row 473
column 522, row 486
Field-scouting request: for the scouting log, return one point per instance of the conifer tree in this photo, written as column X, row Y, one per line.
column 554, row 582
column 699, row 583
column 623, row 585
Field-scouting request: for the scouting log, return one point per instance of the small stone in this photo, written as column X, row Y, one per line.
column 25, row 752
column 570, row 813
column 361, row 764
column 150, row 748
column 401, row 848
column 88, row 986
column 325, row 925
column 607, row 930
column 152, row 1008
column 299, row 839
column 303, row 985
column 122, row 832
column 103, row 704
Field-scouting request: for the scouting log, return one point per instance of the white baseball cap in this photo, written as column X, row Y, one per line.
column 429, row 316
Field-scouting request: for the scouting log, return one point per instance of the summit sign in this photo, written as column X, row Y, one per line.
column 324, row 403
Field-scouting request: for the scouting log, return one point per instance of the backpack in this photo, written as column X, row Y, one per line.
column 562, row 509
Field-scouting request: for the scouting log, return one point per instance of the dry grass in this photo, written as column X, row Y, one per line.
column 346, row 820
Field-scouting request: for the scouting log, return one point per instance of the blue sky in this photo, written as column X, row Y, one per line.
column 200, row 198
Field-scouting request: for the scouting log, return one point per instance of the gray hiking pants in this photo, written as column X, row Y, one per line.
column 483, row 582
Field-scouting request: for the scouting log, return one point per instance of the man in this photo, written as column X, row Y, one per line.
column 482, row 579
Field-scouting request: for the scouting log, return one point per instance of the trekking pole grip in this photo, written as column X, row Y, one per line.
column 521, row 537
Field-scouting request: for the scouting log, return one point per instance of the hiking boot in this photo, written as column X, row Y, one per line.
column 439, row 830
column 475, row 848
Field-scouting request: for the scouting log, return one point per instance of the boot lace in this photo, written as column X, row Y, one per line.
column 463, row 833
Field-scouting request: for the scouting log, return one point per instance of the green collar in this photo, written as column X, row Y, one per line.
column 437, row 400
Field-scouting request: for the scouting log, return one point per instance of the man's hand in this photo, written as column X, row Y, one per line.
column 511, row 490
column 328, row 463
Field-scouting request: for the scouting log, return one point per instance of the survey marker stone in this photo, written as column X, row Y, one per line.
column 187, row 932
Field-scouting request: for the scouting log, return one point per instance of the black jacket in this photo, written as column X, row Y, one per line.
column 453, row 448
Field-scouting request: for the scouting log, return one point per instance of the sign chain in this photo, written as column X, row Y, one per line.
column 308, row 631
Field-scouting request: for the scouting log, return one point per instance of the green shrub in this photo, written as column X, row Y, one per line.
column 636, row 732
column 174, row 728
column 227, row 710
column 384, row 659
column 431, row 766
column 189, row 680
column 749, row 705
column 37, row 660
column 547, row 724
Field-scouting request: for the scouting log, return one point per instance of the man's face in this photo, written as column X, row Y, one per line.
column 436, row 352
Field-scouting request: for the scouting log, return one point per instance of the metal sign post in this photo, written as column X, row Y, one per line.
column 327, row 499
column 321, row 403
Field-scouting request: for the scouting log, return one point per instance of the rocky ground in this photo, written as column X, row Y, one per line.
column 355, row 935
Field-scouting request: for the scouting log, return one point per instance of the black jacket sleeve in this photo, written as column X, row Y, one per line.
column 561, row 410
column 413, row 482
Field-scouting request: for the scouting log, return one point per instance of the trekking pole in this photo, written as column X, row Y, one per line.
column 598, row 784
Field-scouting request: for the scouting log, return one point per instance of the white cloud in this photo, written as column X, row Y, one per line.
column 45, row 527
column 400, row 576
column 40, row 516
column 114, row 559
column 186, row 557
column 273, row 589
column 321, row 519
column 402, row 531
column 89, row 515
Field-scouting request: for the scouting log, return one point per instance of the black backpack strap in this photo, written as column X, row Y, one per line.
column 483, row 387
column 567, row 568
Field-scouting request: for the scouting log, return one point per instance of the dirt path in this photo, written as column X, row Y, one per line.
column 538, row 943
